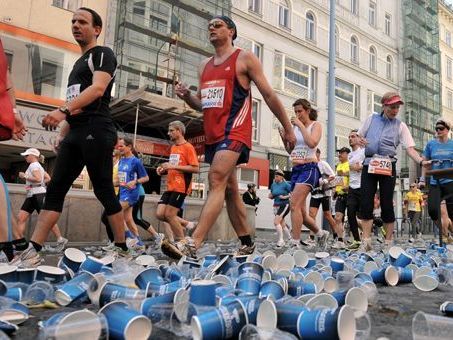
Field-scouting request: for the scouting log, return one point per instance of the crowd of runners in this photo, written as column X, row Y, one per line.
column 88, row 138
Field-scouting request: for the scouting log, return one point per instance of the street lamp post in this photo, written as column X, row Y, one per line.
column 331, row 92
column 157, row 64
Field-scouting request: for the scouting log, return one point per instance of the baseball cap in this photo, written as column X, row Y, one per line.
column 344, row 149
column 391, row 98
column 229, row 22
column 31, row 151
column 444, row 123
column 280, row 173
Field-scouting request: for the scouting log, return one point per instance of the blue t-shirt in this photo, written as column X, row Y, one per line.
column 277, row 189
column 141, row 190
column 130, row 169
column 437, row 150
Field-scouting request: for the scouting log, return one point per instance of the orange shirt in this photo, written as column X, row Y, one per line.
column 177, row 180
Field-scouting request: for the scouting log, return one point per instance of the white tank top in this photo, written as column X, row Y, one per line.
column 302, row 151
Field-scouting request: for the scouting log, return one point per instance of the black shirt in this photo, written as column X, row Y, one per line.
column 98, row 58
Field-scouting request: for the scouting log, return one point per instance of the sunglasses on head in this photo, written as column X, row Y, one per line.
column 216, row 24
column 440, row 128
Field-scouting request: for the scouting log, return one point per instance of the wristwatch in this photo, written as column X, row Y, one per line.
column 65, row 110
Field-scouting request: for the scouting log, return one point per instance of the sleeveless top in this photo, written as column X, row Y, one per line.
column 382, row 136
column 302, row 151
column 226, row 105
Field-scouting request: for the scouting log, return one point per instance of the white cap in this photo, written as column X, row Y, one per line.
column 31, row 151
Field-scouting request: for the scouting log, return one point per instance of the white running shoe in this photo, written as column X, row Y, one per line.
column 29, row 258
column 338, row 245
column 322, row 240
column 109, row 247
column 280, row 243
column 61, row 244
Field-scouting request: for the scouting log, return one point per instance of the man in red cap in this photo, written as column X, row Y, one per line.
column 381, row 134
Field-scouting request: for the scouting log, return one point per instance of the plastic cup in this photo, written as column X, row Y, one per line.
column 300, row 258
column 362, row 327
column 38, row 292
column 322, row 301
column 78, row 325
column 252, row 332
column 285, row 262
column 433, row 327
column 345, row 280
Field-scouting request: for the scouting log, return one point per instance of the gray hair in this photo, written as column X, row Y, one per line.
column 177, row 124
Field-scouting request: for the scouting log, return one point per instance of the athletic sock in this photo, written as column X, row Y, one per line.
column 121, row 245
column 20, row 244
column 7, row 248
column 37, row 246
column 279, row 229
column 246, row 240
column 320, row 233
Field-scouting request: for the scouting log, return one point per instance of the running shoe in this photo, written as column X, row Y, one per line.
column 354, row 245
column 308, row 243
column 322, row 240
column 338, row 245
column 280, row 243
column 245, row 250
column 365, row 246
column 61, row 244
column 158, row 239
column 383, row 231
column 176, row 250
column 29, row 258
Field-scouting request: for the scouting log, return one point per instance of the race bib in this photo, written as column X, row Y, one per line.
column 213, row 94
column 299, row 153
column 122, row 177
column 412, row 205
column 339, row 180
column 380, row 165
column 174, row 159
column 72, row 92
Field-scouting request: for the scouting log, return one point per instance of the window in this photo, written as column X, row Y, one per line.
column 9, row 59
column 347, row 98
column 354, row 7
column 389, row 68
column 255, row 6
column 250, row 45
column 310, row 27
column 448, row 38
column 256, row 110
column 337, row 41
column 449, row 68
column 300, row 79
column 247, row 175
column 372, row 14
column 388, row 24
column 283, row 14
column 450, row 99
column 354, row 50
column 374, row 102
column 70, row 5
column 373, row 59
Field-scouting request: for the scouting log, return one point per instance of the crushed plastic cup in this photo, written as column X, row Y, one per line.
column 345, row 280
column 252, row 332
column 322, row 301
column 433, row 327
column 78, row 325
column 13, row 311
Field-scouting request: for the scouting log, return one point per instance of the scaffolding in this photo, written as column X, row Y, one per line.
column 422, row 78
column 159, row 42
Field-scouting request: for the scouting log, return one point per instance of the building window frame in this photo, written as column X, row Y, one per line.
column 256, row 114
column 372, row 11
column 284, row 15
column 349, row 93
column 354, row 49
column 449, row 68
column 302, row 75
column 448, row 38
column 373, row 59
column 389, row 67
column 256, row 7
column 449, row 99
column 337, row 41
column 354, row 7
column 388, row 24
column 69, row 5
column 310, row 26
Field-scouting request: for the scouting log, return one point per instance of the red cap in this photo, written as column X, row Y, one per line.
column 393, row 100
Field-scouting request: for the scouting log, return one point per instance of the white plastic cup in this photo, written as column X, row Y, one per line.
column 433, row 327
column 250, row 332
column 345, row 280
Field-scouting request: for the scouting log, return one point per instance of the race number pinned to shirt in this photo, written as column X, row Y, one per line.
column 174, row 159
column 380, row 165
column 72, row 92
column 122, row 177
column 299, row 153
column 213, row 93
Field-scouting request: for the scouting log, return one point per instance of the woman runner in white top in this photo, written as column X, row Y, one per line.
column 305, row 173
column 36, row 179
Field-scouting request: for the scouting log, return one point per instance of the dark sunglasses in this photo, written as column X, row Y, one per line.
column 439, row 128
column 215, row 24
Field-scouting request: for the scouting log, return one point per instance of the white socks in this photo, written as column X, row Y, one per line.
column 279, row 230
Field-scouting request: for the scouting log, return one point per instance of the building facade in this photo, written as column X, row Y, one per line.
column 41, row 51
column 446, row 52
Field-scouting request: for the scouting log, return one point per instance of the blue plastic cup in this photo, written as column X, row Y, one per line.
column 403, row 260
column 311, row 262
column 3, row 287
column 125, row 323
column 73, row 258
column 8, row 273
column 208, row 260
column 155, row 308
column 13, row 311
column 271, row 289
column 156, row 289
column 91, row 265
column 405, row 275
column 74, row 289
column 149, row 275
column 221, row 323
column 327, row 324
column 111, row 291
column 39, row 291
column 249, row 282
column 337, row 264
column 203, row 292
column 298, row 288
column 287, row 316
column 14, row 293
column 447, row 308
column 53, row 275
column 26, row 275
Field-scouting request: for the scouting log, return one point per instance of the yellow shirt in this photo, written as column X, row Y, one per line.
column 413, row 201
column 344, row 167
column 115, row 175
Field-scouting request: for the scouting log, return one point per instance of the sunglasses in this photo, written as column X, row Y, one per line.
column 439, row 128
column 215, row 24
